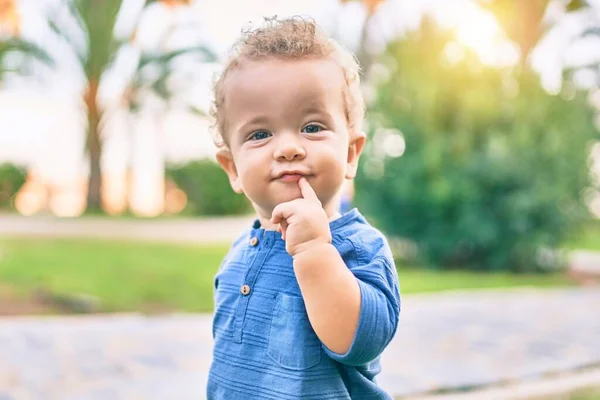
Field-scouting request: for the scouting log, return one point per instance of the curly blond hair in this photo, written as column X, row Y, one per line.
column 289, row 39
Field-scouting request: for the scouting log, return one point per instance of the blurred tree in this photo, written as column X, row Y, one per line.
column 593, row 17
column 211, row 195
column 370, row 5
column 12, row 178
column 97, row 20
column 161, row 87
column 11, row 44
column 522, row 21
column 365, row 57
column 494, row 167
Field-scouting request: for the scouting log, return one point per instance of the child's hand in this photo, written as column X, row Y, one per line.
column 303, row 222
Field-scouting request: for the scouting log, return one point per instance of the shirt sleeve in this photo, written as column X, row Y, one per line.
column 379, row 312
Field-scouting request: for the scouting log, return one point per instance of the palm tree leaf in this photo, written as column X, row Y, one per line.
column 68, row 38
column 593, row 66
column 29, row 48
column 574, row 5
column 160, row 87
column 14, row 44
column 169, row 2
column 17, row 45
column 158, row 82
column 98, row 19
column 165, row 58
column 196, row 111
column 592, row 31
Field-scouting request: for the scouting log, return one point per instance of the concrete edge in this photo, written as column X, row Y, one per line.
column 551, row 386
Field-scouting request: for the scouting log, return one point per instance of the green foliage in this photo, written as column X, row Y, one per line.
column 575, row 5
column 98, row 19
column 208, row 190
column 587, row 238
column 12, row 45
column 11, row 180
column 494, row 168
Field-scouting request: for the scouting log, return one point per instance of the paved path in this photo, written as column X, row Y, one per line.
column 585, row 261
column 445, row 341
column 191, row 230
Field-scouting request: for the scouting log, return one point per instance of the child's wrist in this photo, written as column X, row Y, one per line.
column 312, row 250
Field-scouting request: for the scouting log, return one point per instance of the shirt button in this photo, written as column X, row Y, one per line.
column 245, row 290
column 253, row 241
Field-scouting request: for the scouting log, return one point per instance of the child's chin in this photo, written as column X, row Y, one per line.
column 283, row 196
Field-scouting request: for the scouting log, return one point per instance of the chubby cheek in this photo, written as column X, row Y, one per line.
column 249, row 168
column 252, row 182
column 255, row 180
column 332, row 171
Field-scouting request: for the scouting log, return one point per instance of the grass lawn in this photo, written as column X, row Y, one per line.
column 586, row 394
column 588, row 239
column 123, row 275
column 129, row 276
column 418, row 280
column 592, row 393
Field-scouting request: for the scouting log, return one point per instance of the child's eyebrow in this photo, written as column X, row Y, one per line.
column 321, row 112
column 313, row 109
column 258, row 120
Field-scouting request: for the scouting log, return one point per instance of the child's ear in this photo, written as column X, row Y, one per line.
column 355, row 148
column 225, row 159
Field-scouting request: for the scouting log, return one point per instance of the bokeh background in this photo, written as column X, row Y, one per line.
column 482, row 165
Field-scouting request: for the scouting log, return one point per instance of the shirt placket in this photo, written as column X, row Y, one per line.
column 260, row 243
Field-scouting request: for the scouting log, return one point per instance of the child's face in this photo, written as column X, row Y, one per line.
column 283, row 120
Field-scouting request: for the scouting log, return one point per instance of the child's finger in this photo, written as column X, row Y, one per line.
column 281, row 228
column 283, row 211
column 307, row 191
column 277, row 215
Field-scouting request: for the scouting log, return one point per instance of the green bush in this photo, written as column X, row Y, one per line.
column 494, row 167
column 11, row 180
column 207, row 188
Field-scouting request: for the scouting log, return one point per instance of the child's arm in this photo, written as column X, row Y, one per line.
column 332, row 293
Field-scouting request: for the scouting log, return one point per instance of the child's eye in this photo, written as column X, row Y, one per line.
column 260, row 135
column 312, row 128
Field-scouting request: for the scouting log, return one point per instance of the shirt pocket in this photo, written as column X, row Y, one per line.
column 293, row 343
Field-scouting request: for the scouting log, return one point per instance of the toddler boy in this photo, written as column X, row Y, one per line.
column 307, row 299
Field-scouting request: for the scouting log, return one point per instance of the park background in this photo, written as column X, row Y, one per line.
column 482, row 167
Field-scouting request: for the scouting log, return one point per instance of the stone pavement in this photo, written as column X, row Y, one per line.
column 585, row 261
column 180, row 230
column 553, row 387
column 445, row 341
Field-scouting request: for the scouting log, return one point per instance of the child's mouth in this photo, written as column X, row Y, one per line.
column 290, row 177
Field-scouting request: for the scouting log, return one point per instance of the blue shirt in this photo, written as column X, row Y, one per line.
column 264, row 345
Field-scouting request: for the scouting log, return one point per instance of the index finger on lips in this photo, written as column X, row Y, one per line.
column 307, row 191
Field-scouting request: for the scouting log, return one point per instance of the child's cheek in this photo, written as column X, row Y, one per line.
column 330, row 180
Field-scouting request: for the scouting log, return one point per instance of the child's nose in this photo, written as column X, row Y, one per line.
column 289, row 148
